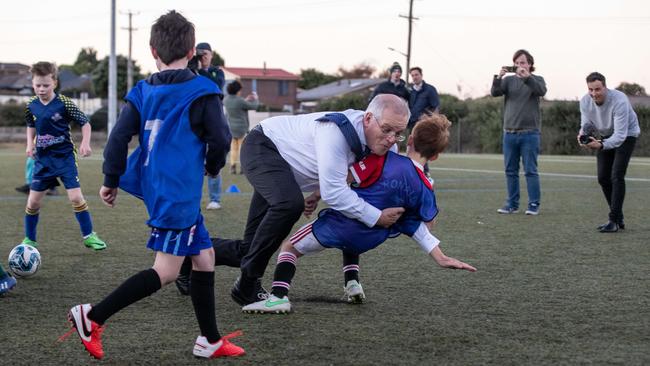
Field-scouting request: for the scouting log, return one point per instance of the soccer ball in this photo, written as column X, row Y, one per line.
column 24, row 260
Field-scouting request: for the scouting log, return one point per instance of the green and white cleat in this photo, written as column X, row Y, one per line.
column 354, row 292
column 93, row 242
column 28, row 241
column 272, row 305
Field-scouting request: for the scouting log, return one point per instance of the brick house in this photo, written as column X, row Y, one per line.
column 276, row 88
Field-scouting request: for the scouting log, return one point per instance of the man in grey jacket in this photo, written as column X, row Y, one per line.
column 521, row 128
column 609, row 125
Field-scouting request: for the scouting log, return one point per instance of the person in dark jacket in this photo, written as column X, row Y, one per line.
column 394, row 85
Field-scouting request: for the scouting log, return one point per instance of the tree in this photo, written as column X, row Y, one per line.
column 632, row 89
column 100, row 76
column 217, row 60
column 359, row 71
column 86, row 61
column 311, row 78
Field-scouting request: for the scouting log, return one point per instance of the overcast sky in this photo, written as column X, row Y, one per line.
column 459, row 44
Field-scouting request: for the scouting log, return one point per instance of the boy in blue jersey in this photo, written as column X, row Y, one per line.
column 48, row 116
column 7, row 281
column 391, row 180
column 176, row 114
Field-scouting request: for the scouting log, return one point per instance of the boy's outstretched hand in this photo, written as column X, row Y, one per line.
column 108, row 195
column 449, row 262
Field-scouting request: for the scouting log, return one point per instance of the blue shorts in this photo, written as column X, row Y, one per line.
column 52, row 166
column 181, row 242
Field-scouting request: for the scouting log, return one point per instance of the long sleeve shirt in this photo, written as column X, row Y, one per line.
column 206, row 120
column 521, row 101
column 615, row 118
column 319, row 157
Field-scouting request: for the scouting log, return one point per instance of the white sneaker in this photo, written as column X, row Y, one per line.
column 272, row 305
column 213, row 206
column 221, row 348
column 354, row 292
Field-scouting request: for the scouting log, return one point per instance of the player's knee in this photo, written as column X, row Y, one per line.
column 79, row 205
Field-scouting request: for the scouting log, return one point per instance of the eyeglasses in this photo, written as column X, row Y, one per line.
column 386, row 132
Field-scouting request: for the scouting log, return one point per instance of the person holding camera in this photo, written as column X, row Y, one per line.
column 521, row 128
column 203, row 64
column 609, row 125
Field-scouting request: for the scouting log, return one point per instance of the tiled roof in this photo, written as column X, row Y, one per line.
column 337, row 88
column 261, row 73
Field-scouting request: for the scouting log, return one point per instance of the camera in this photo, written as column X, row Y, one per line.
column 510, row 68
column 584, row 139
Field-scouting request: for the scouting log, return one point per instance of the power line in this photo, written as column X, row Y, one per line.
column 408, row 50
column 129, row 65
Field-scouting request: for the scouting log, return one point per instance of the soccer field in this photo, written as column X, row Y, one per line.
column 549, row 289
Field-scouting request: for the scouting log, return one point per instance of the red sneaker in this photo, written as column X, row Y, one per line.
column 89, row 331
column 222, row 348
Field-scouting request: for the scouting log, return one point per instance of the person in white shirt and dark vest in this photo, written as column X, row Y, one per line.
column 285, row 156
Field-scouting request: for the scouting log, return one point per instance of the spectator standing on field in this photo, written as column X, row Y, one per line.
column 609, row 111
column 237, row 113
column 521, row 129
column 423, row 100
column 214, row 73
column 394, row 85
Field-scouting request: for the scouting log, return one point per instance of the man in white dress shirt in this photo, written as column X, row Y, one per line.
column 288, row 155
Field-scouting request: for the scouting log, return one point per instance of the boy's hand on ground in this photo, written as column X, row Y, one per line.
column 108, row 195
column 454, row 263
column 389, row 216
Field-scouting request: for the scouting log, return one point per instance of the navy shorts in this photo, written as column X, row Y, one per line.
column 52, row 166
column 181, row 242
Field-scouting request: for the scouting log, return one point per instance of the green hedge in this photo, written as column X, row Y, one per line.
column 478, row 126
column 12, row 115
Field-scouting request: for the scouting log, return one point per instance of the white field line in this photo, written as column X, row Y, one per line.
column 541, row 174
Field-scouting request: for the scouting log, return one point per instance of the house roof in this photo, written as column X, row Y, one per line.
column 337, row 88
column 261, row 73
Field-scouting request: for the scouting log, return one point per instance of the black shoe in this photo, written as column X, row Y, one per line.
column 610, row 227
column 259, row 293
column 621, row 225
column 23, row 189
column 183, row 284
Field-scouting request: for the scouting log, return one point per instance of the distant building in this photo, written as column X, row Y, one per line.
column 16, row 86
column 15, row 79
column 310, row 98
column 276, row 88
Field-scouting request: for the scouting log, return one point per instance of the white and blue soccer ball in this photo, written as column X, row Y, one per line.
column 24, row 260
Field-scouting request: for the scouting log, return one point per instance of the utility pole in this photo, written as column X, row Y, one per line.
column 112, row 76
column 408, row 51
column 129, row 65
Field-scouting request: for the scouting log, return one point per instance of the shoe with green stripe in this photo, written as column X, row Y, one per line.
column 93, row 242
column 28, row 241
column 272, row 305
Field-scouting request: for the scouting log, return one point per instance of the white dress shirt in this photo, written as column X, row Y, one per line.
column 319, row 156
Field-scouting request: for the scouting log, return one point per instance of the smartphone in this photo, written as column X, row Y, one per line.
column 510, row 68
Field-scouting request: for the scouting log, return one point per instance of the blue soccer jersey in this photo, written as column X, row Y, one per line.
column 167, row 169
column 387, row 181
column 52, row 124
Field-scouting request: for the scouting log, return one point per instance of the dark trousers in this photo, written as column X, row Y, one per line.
column 275, row 207
column 612, row 166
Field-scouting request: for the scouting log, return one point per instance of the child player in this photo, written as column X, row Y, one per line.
column 48, row 116
column 7, row 281
column 383, row 181
column 175, row 113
